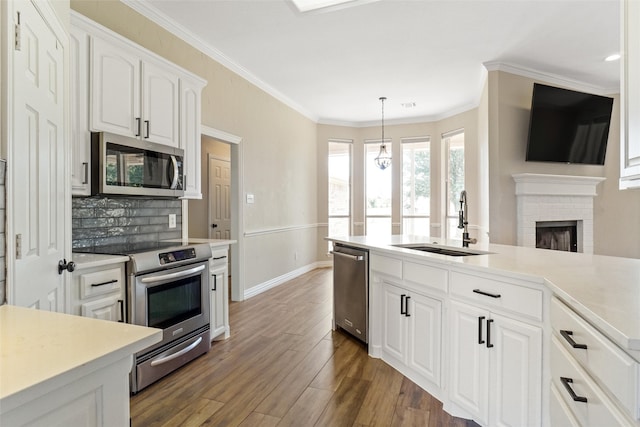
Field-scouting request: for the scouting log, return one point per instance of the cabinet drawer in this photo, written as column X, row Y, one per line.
column 494, row 293
column 219, row 256
column 389, row 266
column 604, row 360
column 432, row 277
column 559, row 412
column 598, row 410
column 100, row 282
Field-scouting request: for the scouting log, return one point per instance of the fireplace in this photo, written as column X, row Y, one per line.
column 557, row 235
column 555, row 199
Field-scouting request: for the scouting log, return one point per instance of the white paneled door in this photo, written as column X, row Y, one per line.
column 37, row 161
column 219, row 198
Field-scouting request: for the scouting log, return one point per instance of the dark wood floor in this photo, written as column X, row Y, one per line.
column 283, row 366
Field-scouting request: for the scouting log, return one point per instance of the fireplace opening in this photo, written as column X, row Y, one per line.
column 557, row 235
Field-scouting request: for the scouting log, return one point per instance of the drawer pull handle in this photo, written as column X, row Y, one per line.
column 565, row 382
column 480, row 320
column 402, row 309
column 95, row 285
column 489, row 322
column 567, row 336
column 219, row 257
column 487, row 294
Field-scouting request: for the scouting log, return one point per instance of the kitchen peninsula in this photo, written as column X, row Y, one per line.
column 509, row 335
column 59, row 369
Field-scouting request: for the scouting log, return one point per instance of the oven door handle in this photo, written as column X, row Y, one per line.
column 179, row 274
column 177, row 354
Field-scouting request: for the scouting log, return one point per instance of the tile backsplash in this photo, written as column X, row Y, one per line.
column 99, row 221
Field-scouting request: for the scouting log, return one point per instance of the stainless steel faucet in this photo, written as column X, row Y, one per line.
column 462, row 221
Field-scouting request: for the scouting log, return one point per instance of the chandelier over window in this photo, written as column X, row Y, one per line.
column 383, row 160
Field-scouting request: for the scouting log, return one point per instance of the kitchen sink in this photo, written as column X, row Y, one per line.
column 441, row 250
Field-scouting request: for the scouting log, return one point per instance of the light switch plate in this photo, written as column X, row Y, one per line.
column 250, row 198
column 172, row 220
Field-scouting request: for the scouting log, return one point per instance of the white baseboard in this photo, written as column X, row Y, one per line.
column 276, row 281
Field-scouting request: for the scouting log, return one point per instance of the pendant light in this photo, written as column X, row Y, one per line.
column 383, row 160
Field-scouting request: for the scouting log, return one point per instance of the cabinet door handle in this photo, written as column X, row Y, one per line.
column 565, row 382
column 138, row 124
column 567, row 336
column 95, row 285
column 406, row 306
column 489, row 322
column 402, row 309
column 85, row 165
column 215, row 282
column 146, row 123
column 121, row 304
column 480, row 321
column 487, row 294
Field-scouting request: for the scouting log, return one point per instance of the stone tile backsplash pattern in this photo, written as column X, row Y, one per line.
column 99, row 221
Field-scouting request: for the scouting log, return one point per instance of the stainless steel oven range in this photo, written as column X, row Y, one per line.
column 169, row 289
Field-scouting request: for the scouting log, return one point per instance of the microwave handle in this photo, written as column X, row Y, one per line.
column 174, row 183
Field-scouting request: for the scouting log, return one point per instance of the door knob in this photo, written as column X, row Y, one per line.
column 214, row 225
column 64, row 265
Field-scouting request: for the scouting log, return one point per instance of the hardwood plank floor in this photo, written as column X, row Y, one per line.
column 283, row 366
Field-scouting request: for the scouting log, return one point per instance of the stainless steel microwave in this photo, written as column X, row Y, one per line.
column 129, row 166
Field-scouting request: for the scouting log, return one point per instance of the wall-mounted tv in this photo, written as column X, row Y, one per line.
column 567, row 126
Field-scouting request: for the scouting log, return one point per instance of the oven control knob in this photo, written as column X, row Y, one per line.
column 64, row 265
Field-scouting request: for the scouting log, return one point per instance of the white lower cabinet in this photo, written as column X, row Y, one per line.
column 411, row 331
column 98, row 292
column 496, row 367
column 218, row 281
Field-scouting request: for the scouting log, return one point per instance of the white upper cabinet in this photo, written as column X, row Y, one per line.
column 115, row 89
column 160, row 105
column 630, row 96
column 122, row 88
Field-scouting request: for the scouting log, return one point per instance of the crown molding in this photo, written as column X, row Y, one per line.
column 144, row 8
column 549, row 78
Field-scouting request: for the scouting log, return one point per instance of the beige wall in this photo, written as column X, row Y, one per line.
column 616, row 213
column 279, row 146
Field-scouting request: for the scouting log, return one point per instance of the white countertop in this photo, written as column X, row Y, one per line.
column 212, row 242
column 604, row 290
column 39, row 347
column 84, row 261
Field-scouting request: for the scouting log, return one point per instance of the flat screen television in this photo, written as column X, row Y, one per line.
column 567, row 126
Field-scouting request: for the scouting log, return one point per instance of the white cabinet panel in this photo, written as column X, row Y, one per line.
column 160, row 105
column 108, row 308
column 190, row 137
column 115, row 89
column 79, row 92
column 425, row 342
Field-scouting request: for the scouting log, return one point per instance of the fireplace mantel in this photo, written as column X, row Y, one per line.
column 555, row 198
column 555, row 185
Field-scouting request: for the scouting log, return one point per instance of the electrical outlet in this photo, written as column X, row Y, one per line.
column 172, row 220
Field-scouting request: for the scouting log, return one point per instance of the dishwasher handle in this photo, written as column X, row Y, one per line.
column 352, row 257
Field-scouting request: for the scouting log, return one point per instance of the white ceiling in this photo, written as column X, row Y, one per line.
column 332, row 66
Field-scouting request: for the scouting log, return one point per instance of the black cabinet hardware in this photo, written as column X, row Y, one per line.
column 219, row 257
column 146, row 122
column 489, row 322
column 121, row 303
column 95, row 285
column 85, row 165
column 64, row 265
column 480, row 321
column 138, row 125
column 402, row 309
column 567, row 336
column 406, row 306
column 565, row 382
column 487, row 294
column 215, row 282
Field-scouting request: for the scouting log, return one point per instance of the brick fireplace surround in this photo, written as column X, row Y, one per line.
column 555, row 198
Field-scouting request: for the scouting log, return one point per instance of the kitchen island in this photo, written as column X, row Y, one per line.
column 496, row 335
column 59, row 369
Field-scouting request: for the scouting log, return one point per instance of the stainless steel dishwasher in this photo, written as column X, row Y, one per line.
column 351, row 290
